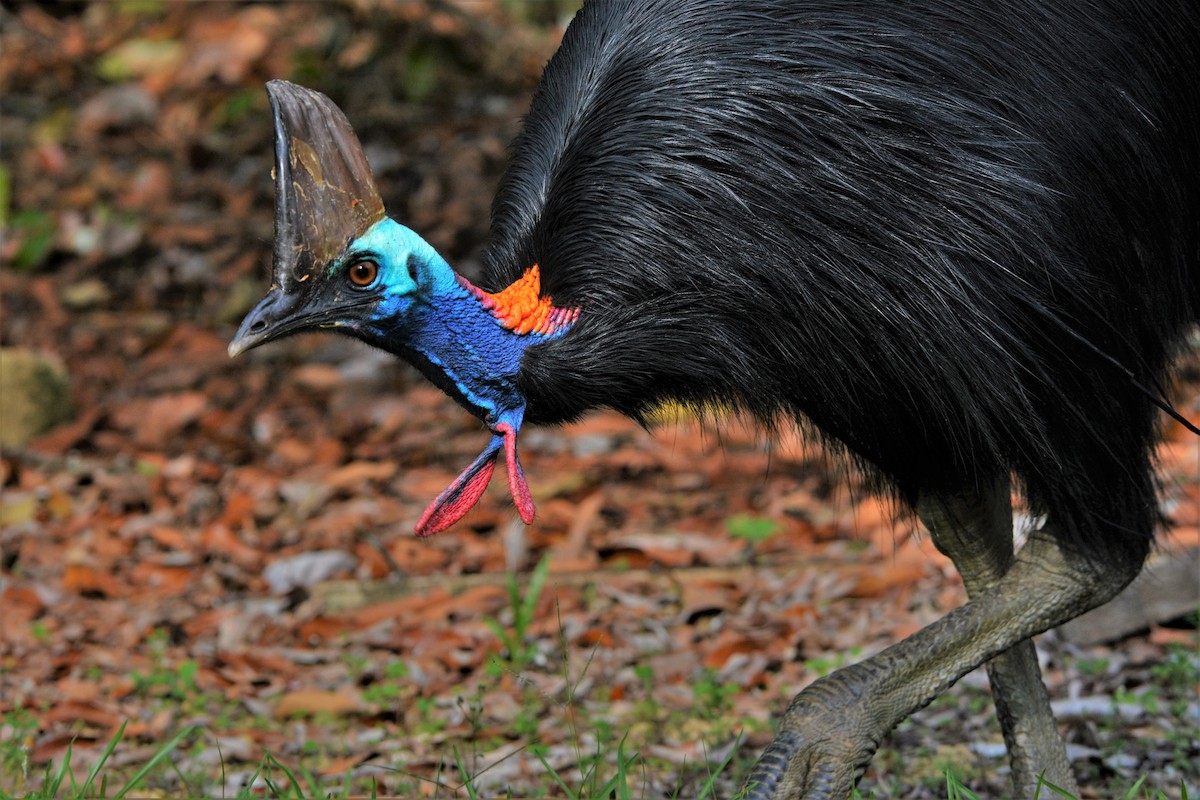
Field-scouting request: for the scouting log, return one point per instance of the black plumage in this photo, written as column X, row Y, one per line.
column 942, row 232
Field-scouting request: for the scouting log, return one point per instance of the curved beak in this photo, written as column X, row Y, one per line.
column 274, row 317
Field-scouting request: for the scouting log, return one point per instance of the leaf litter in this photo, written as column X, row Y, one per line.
column 228, row 543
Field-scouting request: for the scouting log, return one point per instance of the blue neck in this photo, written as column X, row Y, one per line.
column 467, row 353
column 469, row 344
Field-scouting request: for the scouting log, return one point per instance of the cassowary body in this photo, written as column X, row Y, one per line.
column 960, row 241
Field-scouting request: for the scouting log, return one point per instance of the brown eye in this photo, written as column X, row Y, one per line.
column 363, row 273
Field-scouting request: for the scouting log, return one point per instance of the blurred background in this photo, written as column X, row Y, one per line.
column 207, row 566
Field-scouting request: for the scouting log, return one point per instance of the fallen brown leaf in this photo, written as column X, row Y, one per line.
column 314, row 701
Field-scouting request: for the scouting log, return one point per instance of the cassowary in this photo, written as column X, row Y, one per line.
column 960, row 240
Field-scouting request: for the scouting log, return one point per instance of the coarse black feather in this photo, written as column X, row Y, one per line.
column 960, row 238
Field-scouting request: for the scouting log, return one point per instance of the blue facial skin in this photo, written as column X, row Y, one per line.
column 425, row 315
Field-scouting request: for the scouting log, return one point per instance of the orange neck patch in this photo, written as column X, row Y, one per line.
column 522, row 309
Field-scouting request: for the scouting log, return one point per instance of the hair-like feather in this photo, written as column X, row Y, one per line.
column 959, row 238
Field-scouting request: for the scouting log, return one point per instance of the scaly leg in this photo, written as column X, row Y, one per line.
column 976, row 534
column 832, row 728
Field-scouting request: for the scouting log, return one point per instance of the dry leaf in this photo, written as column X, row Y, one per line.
column 315, row 701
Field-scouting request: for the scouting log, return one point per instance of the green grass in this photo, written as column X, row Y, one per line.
column 751, row 528
column 63, row 782
column 608, row 761
column 610, row 771
column 514, row 637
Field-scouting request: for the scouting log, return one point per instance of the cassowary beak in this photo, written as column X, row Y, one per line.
column 272, row 318
column 325, row 197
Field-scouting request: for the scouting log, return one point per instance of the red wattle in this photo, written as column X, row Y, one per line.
column 453, row 504
column 516, row 476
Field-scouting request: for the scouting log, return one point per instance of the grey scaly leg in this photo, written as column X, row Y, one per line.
column 976, row 534
column 832, row 728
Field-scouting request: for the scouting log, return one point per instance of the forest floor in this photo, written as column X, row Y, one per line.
column 223, row 549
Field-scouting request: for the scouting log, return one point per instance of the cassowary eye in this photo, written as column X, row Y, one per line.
column 362, row 273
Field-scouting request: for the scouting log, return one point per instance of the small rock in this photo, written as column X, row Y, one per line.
column 35, row 395
column 1100, row 706
column 306, row 569
column 86, row 294
column 991, row 750
column 1122, row 762
column 124, row 106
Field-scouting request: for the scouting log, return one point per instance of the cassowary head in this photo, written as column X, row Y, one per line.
column 341, row 264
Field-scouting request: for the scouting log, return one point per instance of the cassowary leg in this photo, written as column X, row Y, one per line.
column 976, row 534
column 832, row 728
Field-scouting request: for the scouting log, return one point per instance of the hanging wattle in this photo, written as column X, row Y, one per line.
column 470, row 343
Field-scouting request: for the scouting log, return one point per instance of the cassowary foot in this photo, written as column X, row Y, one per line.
column 833, row 727
column 824, row 742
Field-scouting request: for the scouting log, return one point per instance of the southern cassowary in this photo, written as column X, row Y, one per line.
column 959, row 240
